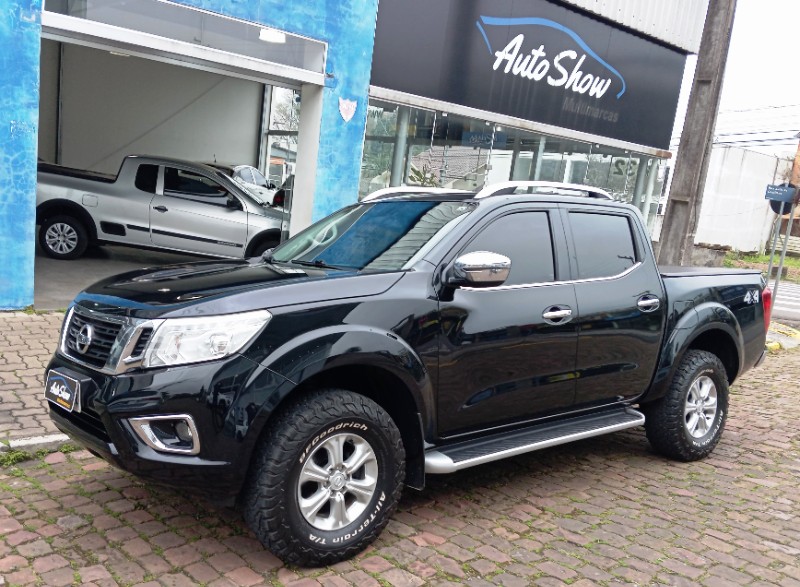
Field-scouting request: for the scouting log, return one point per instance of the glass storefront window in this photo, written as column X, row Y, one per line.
column 411, row 146
column 610, row 169
column 284, row 124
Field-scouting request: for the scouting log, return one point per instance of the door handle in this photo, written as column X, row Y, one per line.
column 648, row 303
column 557, row 315
column 160, row 208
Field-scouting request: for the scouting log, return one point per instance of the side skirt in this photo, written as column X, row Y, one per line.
column 461, row 455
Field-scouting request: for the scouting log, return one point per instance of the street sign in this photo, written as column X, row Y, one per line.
column 781, row 193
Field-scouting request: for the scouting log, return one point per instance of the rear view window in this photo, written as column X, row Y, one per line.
column 146, row 177
column 603, row 244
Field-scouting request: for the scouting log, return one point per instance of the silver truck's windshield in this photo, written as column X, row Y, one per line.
column 380, row 236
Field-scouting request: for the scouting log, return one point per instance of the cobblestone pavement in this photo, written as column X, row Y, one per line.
column 27, row 341
column 603, row 511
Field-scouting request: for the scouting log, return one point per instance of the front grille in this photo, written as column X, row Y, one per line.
column 103, row 338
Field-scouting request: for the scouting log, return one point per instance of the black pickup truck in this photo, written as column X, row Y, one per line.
column 406, row 335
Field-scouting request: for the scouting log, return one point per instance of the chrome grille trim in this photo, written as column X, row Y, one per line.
column 120, row 357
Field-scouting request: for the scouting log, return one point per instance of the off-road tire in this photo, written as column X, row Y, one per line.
column 69, row 227
column 271, row 498
column 668, row 421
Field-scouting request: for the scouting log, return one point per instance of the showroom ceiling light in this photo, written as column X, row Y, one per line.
column 272, row 36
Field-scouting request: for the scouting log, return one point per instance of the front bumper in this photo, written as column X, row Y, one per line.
column 226, row 400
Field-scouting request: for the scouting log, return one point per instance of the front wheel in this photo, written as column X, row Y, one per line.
column 63, row 237
column 687, row 423
column 326, row 478
column 261, row 248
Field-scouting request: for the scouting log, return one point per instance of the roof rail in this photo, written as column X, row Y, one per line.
column 546, row 187
column 408, row 190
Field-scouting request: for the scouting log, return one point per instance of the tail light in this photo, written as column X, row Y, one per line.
column 766, row 301
column 279, row 199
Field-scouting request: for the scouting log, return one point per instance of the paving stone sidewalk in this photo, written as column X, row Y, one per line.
column 603, row 511
column 27, row 342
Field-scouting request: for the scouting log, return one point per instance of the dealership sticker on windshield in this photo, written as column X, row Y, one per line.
column 61, row 390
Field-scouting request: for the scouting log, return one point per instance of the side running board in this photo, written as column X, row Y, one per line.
column 461, row 455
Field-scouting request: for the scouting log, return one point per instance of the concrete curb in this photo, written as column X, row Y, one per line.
column 781, row 336
column 34, row 443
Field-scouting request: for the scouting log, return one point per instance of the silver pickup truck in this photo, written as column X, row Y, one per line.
column 153, row 202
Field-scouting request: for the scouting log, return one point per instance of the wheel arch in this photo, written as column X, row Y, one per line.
column 388, row 391
column 390, row 373
column 272, row 234
column 66, row 207
column 710, row 327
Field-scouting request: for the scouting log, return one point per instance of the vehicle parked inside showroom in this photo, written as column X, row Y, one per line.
column 408, row 334
column 156, row 203
column 250, row 179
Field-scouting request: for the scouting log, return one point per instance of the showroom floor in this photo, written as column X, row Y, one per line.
column 56, row 282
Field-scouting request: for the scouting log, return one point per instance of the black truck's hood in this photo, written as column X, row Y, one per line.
column 224, row 287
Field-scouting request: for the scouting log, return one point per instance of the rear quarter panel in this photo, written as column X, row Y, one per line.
column 726, row 302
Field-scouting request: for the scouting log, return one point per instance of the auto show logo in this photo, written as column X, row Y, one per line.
column 565, row 69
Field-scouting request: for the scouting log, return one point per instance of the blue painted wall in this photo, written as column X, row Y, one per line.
column 347, row 26
column 349, row 29
column 20, row 30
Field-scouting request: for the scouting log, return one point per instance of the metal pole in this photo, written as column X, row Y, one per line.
column 783, row 253
column 403, row 115
column 778, row 222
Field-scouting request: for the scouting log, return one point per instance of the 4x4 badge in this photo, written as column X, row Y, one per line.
column 84, row 338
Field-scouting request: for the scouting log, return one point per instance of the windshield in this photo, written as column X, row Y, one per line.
column 380, row 236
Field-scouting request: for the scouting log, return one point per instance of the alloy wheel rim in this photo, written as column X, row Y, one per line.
column 337, row 482
column 61, row 238
column 700, row 407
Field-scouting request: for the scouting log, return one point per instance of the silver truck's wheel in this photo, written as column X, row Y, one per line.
column 325, row 478
column 63, row 237
column 687, row 423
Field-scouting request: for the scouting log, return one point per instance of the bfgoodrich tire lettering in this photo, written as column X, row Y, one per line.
column 687, row 423
column 325, row 479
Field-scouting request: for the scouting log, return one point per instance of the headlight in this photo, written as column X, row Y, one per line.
column 192, row 340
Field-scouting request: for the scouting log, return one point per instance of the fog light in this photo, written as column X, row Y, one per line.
column 172, row 434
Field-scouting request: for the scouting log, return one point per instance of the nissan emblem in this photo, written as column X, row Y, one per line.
column 84, row 338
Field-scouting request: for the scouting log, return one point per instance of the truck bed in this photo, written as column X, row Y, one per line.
column 77, row 173
column 676, row 271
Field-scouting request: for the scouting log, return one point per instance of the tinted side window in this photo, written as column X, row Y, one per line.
column 146, row 177
column 603, row 244
column 525, row 238
column 179, row 182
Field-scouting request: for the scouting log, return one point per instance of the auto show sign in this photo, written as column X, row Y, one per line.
column 535, row 60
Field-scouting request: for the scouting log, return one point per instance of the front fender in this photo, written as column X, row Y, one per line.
column 707, row 317
column 346, row 345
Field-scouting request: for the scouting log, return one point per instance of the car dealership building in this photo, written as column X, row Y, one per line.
column 338, row 98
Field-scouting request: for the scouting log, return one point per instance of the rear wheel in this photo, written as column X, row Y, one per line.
column 63, row 237
column 326, row 478
column 687, row 423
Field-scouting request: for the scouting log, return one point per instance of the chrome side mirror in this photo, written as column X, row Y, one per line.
column 479, row 269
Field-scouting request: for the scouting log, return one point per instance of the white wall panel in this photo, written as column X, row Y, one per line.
column 113, row 106
column 734, row 211
column 675, row 22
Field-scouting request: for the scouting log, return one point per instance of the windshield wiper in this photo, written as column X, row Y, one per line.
column 318, row 263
